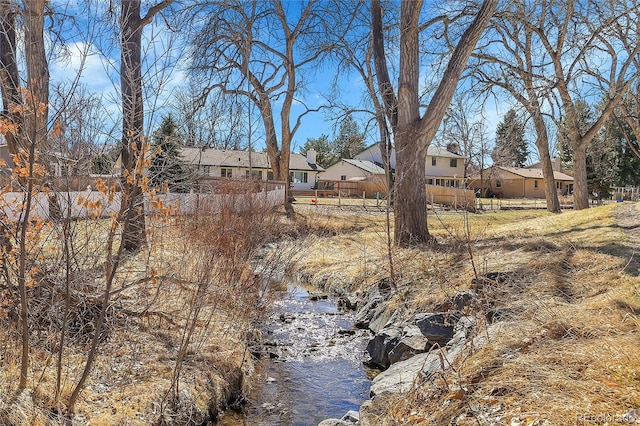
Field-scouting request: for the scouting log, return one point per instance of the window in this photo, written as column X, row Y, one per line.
column 453, row 162
column 535, row 184
column 269, row 175
column 498, row 184
column 433, row 161
column 255, row 174
column 559, row 185
column 429, row 181
column 225, row 173
column 298, row 177
column 343, row 177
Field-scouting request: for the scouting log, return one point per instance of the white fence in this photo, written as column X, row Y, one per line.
column 84, row 204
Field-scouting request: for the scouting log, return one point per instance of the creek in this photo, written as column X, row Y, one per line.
column 311, row 367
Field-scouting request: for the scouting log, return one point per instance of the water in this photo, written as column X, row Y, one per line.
column 312, row 367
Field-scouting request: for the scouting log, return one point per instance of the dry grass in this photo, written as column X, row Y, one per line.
column 568, row 341
column 189, row 300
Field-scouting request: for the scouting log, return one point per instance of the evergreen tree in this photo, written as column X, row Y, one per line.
column 325, row 155
column 511, row 149
column 166, row 164
column 603, row 152
column 627, row 163
column 350, row 141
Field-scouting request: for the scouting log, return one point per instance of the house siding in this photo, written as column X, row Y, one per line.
column 342, row 168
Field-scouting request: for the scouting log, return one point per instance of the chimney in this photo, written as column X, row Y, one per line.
column 311, row 156
column 556, row 164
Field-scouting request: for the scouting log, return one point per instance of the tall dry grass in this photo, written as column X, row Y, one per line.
column 564, row 346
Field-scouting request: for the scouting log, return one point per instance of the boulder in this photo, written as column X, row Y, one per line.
column 334, row 422
column 403, row 375
column 381, row 318
column 437, row 327
column 411, row 343
column 351, row 416
column 365, row 314
column 381, row 344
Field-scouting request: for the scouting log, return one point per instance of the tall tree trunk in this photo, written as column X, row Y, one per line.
column 410, row 223
column 37, row 101
column 413, row 133
column 542, row 143
column 580, row 183
column 134, row 233
column 9, row 76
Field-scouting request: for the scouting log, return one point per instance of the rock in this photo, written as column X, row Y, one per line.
column 334, row 422
column 349, row 302
column 381, row 318
column 351, row 416
column 407, row 347
column 403, row 375
column 381, row 344
column 437, row 327
column 365, row 314
column 463, row 299
column 318, row 296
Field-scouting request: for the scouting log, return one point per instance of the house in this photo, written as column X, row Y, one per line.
column 353, row 178
column 516, row 182
column 59, row 164
column 347, row 169
column 303, row 171
column 442, row 167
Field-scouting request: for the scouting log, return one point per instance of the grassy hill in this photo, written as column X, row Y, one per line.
column 566, row 349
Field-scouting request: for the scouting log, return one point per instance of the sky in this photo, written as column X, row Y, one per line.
column 96, row 61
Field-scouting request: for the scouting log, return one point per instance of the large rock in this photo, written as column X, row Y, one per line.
column 351, row 416
column 411, row 343
column 365, row 314
column 334, row 422
column 437, row 327
column 403, row 375
column 381, row 344
column 381, row 318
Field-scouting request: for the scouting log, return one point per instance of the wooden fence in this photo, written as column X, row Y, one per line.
column 457, row 198
column 375, row 188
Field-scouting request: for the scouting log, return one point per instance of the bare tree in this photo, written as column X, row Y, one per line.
column 260, row 51
column 556, row 53
column 25, row 118
column 413, row 131
column 214, row 120
column 463, row 124
column 133, row 140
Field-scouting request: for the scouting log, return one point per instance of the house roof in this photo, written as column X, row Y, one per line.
column 532, row 173
column 433, row 151
column 231, row 158
column 367, row 166
column 436, row 151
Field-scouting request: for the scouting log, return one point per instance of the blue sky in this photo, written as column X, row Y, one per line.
column 99, row 74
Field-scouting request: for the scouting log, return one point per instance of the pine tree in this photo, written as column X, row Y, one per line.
column 324, row 150
column 166, row 164
column 350, row 141
column 511, row 148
